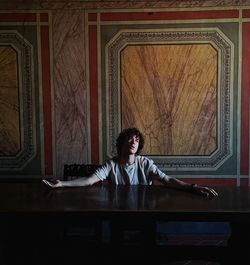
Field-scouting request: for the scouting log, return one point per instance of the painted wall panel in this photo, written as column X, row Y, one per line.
column 77, row 114
column 70, row 94
column 221, row 37
column 10, row 135
column 22, row 33
column 169, row 93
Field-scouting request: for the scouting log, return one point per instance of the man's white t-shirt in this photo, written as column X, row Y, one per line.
column 141, row 172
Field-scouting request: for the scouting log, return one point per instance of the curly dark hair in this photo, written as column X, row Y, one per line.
column 124, row 137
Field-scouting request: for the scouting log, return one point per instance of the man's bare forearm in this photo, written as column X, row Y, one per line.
column 81, row 182
column 176, row 183
column 194, row 188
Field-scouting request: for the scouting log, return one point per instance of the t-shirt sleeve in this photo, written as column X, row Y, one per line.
column 155, row 172
column 103, row 172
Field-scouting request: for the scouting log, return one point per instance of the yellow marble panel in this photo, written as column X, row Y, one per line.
column 169, row 92
column 9, row 103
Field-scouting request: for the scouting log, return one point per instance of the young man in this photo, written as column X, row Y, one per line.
column 130, row 168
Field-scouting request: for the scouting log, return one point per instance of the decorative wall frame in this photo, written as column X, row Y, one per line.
column 24, row 52
column 27, row 33
column 225, row 50
column 109, row 32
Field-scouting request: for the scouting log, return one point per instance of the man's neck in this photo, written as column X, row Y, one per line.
column 127, row 159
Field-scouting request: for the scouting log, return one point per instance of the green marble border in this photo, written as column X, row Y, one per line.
column 28, row 161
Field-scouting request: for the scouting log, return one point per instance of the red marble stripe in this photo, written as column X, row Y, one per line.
column 244, row 182
column 244, row 163
column 178, row 15
column 92, row 16
column 246, row 13
column 46, row 85
column 44, row 17
column 17, row 17
column 93, row 82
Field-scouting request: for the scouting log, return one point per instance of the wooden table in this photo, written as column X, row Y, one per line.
column 35, row 205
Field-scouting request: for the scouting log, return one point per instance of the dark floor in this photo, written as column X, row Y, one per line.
column 193, row 262
column 195, row 240
column 72, row 251
column 198, row 240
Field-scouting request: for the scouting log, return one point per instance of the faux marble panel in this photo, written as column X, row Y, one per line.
column 70, row 88
column 66, row 4
column 169, row 92
column 182, row 89
column 9, row 103
column 18, row 99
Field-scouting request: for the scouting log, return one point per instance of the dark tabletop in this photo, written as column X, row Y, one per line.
column 232, row 204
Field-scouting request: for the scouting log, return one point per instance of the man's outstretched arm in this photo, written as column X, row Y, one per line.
column 79, row 182
column 194, row 188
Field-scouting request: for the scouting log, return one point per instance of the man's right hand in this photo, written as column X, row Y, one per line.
column 53, row 183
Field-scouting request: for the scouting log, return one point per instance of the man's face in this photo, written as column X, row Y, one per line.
column 131, row 146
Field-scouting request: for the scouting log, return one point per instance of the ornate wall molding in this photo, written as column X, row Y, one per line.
column 225, row 50
column 26, row 101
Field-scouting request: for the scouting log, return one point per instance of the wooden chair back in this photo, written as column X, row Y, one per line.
column 72, row 171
